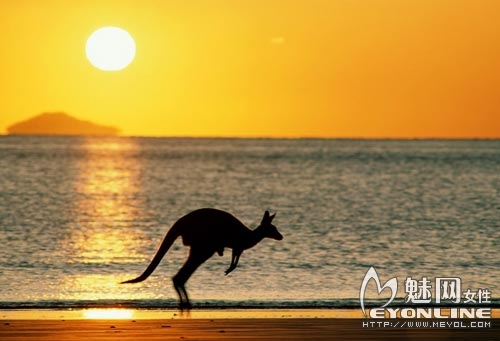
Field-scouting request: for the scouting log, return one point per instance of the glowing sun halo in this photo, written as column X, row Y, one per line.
column 110, row 48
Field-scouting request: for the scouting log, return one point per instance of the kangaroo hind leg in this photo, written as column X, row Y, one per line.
column 195, row 259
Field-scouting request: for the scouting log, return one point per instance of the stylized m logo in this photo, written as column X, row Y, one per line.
column 372, row 274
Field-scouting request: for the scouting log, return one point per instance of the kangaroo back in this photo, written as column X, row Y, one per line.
column 167, row 242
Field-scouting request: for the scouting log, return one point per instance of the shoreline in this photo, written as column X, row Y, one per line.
column 157, row 314
column 118, row 313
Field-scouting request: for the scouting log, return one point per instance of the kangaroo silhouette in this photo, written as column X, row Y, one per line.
column 207, row 231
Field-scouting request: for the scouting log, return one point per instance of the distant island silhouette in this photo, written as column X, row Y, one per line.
column 59, row 123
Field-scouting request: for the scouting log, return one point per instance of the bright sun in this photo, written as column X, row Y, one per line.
column 110, row 48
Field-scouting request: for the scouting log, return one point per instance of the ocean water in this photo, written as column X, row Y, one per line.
column 78, row 215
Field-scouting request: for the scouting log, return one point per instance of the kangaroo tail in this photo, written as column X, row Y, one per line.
column 167, row 242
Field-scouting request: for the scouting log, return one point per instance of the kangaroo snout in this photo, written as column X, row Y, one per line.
column 277, row 236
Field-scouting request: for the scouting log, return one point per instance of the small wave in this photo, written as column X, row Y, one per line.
column 173, row 304
column 346, row 303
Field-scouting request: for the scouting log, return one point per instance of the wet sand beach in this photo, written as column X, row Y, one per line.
column 227, row 329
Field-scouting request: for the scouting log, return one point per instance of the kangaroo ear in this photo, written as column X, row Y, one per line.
column 265, row 218
column 272, row 217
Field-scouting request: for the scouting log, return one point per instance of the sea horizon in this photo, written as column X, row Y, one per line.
column 263, row 137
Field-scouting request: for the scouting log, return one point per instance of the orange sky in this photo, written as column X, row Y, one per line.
column 309, row 68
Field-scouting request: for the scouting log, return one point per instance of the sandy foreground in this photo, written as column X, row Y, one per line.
column 225, row 329
column 285, row 328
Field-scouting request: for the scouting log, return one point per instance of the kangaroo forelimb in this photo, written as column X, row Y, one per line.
column 234, row 262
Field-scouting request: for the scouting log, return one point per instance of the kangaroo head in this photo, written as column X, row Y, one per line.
column 270, row 231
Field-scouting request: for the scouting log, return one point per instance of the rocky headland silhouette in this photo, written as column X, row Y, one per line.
column 60, row 123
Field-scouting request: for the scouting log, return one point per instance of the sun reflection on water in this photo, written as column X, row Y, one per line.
column 105, row 209
column 107, row 203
